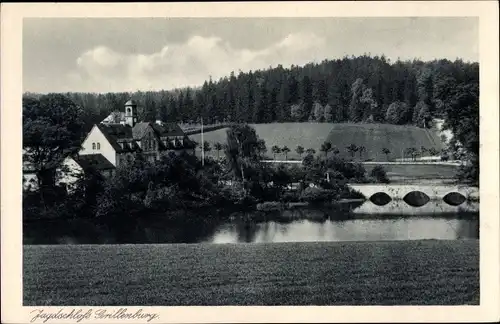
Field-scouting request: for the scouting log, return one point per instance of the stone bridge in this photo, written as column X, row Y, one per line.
column 399, row 191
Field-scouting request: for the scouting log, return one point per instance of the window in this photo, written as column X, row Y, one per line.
column 98, row 146
column 93, row 146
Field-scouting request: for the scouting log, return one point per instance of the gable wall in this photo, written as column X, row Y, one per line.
column 96, row 136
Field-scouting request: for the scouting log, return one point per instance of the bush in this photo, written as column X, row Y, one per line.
column 349, row 193
column 378, row 172
column 270, row 206
column 291, row 197
column 317, row 195
column 469, row 172
column 346, row 169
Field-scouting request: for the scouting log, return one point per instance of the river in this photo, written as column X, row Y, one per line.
column 359, row 222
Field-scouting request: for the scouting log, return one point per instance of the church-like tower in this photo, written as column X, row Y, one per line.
column 130, row 113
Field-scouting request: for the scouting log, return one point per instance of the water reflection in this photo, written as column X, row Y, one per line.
column 355, row 221
column 351, row 230
column 400, row 207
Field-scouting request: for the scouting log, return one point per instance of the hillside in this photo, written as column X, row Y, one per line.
column 373, row 137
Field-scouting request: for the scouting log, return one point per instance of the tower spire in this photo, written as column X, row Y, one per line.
column 130, row 113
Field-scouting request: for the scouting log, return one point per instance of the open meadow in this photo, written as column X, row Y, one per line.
column 404, row 173
column 374, row 137
column 356, row 273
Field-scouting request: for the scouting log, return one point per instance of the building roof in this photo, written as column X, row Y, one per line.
column 116, row 117
column 94, row 161
column 168, row 129
column 139, row 130
column 116, row 132
column 131, row 103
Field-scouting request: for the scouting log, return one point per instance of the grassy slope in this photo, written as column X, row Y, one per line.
column 403, row 272
column 409, row 172
column 311, row 135
column 374, row 137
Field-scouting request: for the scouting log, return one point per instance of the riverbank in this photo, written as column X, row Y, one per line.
column 194, row 227
column 324, row 273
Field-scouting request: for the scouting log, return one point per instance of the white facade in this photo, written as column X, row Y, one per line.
column 67, row 174
column 71, row 172
column 96, row 143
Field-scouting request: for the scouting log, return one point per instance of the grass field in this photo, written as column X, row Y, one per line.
column 373, row 137
column 416, row 172
column 360, row 273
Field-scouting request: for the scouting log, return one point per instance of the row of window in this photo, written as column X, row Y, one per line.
column 150, row 144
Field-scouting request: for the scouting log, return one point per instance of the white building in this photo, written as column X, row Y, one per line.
column 120, row 136
column 115, row 141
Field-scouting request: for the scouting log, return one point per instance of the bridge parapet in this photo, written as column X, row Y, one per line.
column 399, row 191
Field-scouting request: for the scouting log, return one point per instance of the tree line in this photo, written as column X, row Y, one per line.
column 351, row 89
column 327, row 147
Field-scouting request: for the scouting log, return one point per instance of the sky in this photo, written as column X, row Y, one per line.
column 130, row 54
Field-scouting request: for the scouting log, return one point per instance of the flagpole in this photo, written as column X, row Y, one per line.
column 202, row 145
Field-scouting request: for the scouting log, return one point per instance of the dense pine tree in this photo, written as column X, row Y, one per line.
column 355, row 89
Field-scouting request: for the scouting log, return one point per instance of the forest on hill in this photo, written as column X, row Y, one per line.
column 360, row 89
column 351, row 89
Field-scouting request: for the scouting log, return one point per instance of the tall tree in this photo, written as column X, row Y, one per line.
column 386, row 151
column 299, row 150
column 328, row 116
column 218, row 147
column 352, row 149
column 368, row 104
column 283, row 111
column 356, row 106
column 262, row 111
column 425, row 88
column 321, row 92
column 421, row 115
column 319, row 112
column 306, row 97
column 293, row 90
column 297, row 112
column 462, row 118
column 310, row 151
column 243, row 148
column 285, row 151
column 276, row 150
column 397, row 113
column 325, row 148
column 52, row 130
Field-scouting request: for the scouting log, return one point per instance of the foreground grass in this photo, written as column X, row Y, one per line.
column 361, row 273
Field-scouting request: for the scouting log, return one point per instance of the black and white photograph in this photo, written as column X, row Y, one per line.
column 250, row 161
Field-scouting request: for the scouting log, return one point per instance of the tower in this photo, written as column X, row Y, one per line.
column 130, row 113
